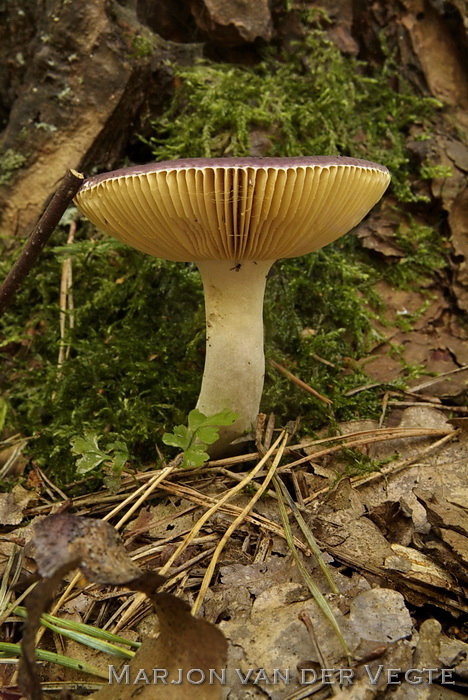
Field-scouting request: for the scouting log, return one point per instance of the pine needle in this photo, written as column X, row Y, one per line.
column 308, row 580
column 42, row 655
column 240, row 518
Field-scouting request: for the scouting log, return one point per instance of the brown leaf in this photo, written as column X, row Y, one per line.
column 94, row 543
column 65, row 541
column 378, row 233
column 441, row 513
column 437, row 50
column 186, row 651
column 13, row 504
column 461, row 423
column 458, row 218
column 457, row 543
column 233, row 22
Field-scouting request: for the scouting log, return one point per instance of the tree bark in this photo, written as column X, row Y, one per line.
column 72, row 97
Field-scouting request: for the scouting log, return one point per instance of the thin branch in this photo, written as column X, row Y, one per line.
column 39, row 236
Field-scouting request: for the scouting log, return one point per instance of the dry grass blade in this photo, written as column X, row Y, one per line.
column 203, row 499
column 150, row 487
column 381, row 433
column 206, row 516
column 66, row 300
column 16, row 452
column 240, row 518
column 436, row 380
column 153, row 479
column 308, row 535
column 390, row 468
column 8, row 611
column 404, row 463
column 10, row 577
column 308, row 580
column 430, row 404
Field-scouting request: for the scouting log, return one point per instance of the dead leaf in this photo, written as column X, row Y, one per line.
column 94, row 543
column 186, row 653
column 458, row 217
column 378, row 233
column 457, row 543
column 441, row 513
column 461, row 423
column 438, row 53
column 64, row 542
column 417, row 566
column 13, row 505
column 380, row 615
column 234, row 22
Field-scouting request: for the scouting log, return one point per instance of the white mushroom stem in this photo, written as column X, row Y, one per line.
column 235, row 361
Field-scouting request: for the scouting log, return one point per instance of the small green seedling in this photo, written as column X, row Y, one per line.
column 200, row 432
column 112, row 460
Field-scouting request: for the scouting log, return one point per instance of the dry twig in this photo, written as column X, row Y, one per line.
column 39, row 236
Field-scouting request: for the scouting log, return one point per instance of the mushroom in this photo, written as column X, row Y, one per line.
column 233, row 218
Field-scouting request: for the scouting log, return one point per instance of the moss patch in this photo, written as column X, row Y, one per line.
column 9, row 162
column 309, row 100
column 136, row 351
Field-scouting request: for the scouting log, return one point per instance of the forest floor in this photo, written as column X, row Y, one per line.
column 394, row 542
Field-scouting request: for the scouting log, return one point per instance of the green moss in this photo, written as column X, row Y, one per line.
column 136, row 351
column 9, row 162
column 424, row 253
column 355, row 463
column 142, row 47
column 311, row 100
column 430, row 172
column 312, row 310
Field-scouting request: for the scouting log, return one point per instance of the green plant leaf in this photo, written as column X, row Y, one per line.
column 208, row 434
column 85, row 444
column 88, row 462
column 195, row 457
column 201, row 431
column 171, row 439
column 92, row 456
column 119, row 454
column 196, row 419
column 179, row 438
column 225, row 417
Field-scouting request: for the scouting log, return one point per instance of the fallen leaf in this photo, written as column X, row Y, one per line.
column 64, row 542
column 418, row 567
column 380, row 615
column 234, row 22
column 441, row 513
column 13, row 505
column 187, row 652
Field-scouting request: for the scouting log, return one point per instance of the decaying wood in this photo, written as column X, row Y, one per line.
column 80, row 85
